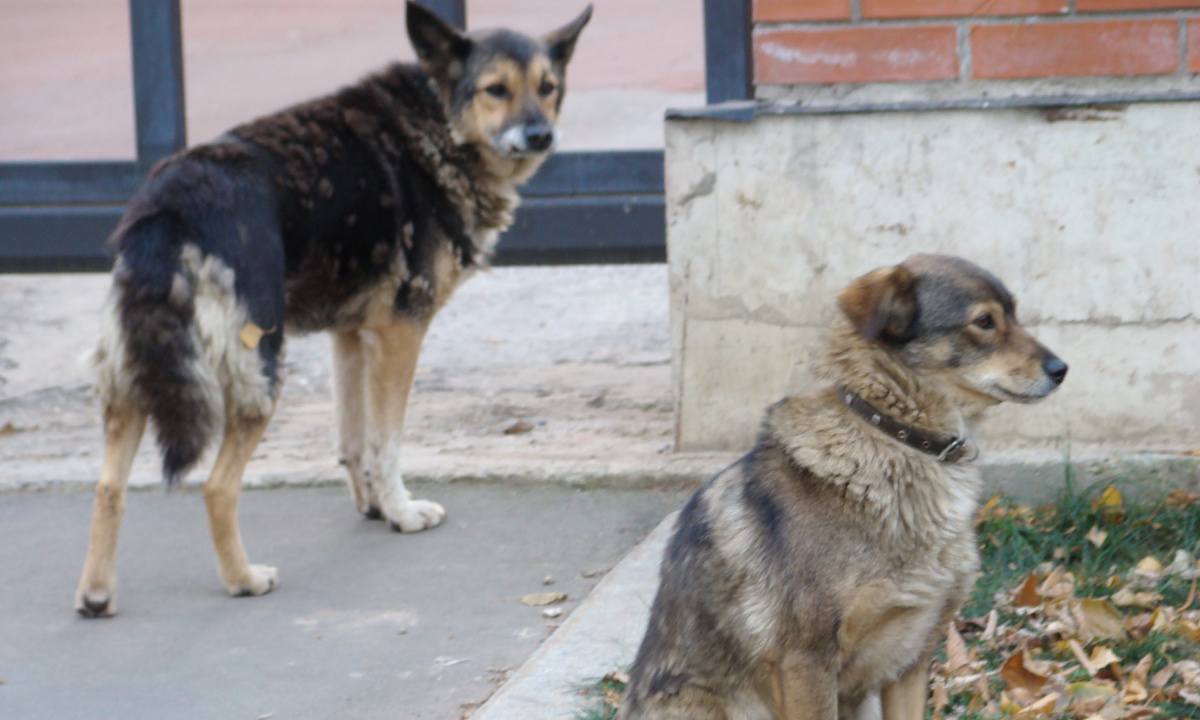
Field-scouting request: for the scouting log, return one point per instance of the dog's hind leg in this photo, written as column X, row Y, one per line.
column 123, row 429
column 348, row 382
column 390, row 354
column 221, row 491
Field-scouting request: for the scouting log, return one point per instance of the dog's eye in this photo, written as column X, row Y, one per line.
column 547, row 88
column 985, row 322
column 497, row 90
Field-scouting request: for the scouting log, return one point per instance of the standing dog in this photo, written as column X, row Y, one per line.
column 358, row 213
column 814, row 577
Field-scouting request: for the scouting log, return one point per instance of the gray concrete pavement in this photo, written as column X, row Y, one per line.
column 580, row 353
column 368, row 623
column 602, row 635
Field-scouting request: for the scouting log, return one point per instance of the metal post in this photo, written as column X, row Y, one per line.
column 154, row 27
column 452, row 11
column 728, row 57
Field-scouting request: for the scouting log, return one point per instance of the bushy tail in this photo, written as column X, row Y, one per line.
column 168, row 375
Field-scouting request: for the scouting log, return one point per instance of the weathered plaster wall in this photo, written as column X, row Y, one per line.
column 1091, row 217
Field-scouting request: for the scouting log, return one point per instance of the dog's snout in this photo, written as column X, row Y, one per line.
column 539, row 137
column 1055, row 369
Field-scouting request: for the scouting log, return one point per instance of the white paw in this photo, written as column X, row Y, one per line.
column 414, row 515
column 260, row 580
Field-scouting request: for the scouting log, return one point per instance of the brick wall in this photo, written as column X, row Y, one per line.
column 853, row 41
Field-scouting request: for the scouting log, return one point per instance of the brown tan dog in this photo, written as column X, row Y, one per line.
column 814, row 578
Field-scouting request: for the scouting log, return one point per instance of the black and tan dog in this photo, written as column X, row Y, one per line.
column 359, row 214
column 815, row 577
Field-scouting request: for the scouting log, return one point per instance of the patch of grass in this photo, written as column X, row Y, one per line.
column 602, row 697
column 1014, row 539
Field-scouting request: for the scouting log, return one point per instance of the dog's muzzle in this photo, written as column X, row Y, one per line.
column 531, row 139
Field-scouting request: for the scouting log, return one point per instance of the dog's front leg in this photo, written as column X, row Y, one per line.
column 349, row 386
column 905, row 699
column 804, row 688
column 390, row 353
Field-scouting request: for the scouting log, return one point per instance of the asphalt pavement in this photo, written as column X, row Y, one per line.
column 367, row 623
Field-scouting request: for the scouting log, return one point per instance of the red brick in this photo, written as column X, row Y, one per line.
column 800, row 10
column 1193, row 49
column 950, row 8
column 1118, row 5
column 1055, row 49
column 855, row 55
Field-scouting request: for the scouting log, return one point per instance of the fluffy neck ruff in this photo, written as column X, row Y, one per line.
column 481, row 185
column 878, row 376
column 914, row 500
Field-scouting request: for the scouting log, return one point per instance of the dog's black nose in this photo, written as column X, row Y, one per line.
column 1055, row 369
column 539, row 137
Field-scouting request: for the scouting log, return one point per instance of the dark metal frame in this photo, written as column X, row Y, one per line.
column 581, row 207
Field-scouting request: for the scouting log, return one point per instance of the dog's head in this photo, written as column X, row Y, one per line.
column 502, row 90
column 954, row 321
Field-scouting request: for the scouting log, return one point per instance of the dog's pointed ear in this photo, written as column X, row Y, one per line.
column 882, row 304
column 439, row 45
column 560, row 44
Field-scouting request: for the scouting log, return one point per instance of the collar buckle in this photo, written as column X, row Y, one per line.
column 954, row 451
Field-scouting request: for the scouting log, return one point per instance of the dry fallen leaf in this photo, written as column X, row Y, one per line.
column 1182, row 563
column 612, row 698
column 1136, row 689
column 1150, row 565
column 1024, row 673
column 1007, row 706
column 617, row 676
column 1096, row 536
column 1162, row 677
column 1180, row 498
column 1042, row 707
column 1082, row 657
column 958, row 660
column 1089, row 697
column 991, row 509
column 1102, row 657
column 1127, row 596
column 989, row 628
column 1027, row 594
column 1110, row 498
column 941, row 698
column 1098, row 619
column 543, row 598
column 518, row 428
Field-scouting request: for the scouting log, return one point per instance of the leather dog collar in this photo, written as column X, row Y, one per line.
column 944, row 449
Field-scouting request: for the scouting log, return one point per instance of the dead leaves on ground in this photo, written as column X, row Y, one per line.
column 1047, row 650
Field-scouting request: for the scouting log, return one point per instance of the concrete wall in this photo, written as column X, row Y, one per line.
column 1090, row 216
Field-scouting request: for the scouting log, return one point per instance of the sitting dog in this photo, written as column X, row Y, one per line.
column 359, row 214
column 814, row 577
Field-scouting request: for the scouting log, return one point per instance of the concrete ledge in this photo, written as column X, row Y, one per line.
column 602, row 634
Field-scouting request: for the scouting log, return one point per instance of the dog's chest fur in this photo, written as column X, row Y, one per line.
column 914, row 516
column 890, row 621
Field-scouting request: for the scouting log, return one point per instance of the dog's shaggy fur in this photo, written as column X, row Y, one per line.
column 814, row 578
column 357, row 214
